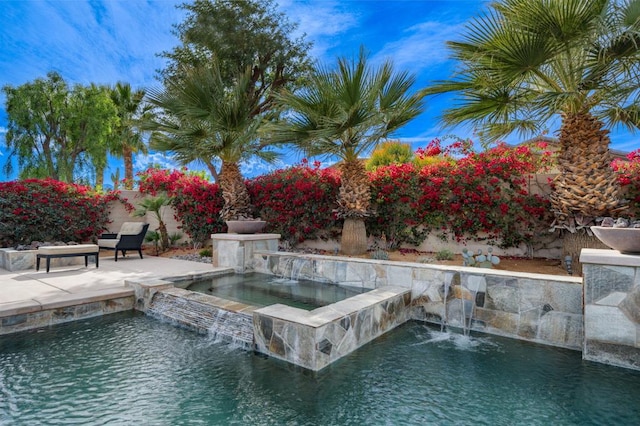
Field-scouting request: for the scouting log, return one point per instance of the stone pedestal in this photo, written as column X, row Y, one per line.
column 611, row 307
column 22, row 260
column 236, row 250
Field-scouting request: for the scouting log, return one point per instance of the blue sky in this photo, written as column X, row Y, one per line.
column 118, row 40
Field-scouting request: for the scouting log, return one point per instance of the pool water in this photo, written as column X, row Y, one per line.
column 130, row 369
column 264, row 290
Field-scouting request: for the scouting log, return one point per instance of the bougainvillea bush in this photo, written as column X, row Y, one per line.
column 485, row 195
column 196, row 202
column 49, row 210
column 629, row 178
column 451, row 191
column 460, row 194
column 395, row 198
column 298, row 202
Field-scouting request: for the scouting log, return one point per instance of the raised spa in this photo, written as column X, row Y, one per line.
column 263, row 290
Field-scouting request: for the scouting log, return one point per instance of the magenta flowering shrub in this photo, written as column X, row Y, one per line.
column 629, row 178
column 451, row 191
column 196, row 202
column 476, row 195
column 298, row 202
column 49, row 210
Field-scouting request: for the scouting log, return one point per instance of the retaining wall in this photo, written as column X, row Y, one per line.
column 540, row 308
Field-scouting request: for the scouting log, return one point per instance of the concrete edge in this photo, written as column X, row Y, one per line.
column 62, row 301
column 19, row 308
column 327, row 314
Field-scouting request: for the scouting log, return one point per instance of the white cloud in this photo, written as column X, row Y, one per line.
column 142, row 162
column 86, row 42
column 322, row 22
column 423, row 47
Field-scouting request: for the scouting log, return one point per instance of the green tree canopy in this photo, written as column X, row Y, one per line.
column 390, row 152
column 127, row 139
column 526, row 62
column 244, row 36
column 57, row 131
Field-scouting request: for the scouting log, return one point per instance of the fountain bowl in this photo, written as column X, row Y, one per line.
column 625, row 240
column 245, row 226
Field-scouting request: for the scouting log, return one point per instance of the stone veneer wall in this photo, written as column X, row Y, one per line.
column 21, row 260
column 236, row 250
column 314, row 339
column 541, row 308
column 54, row 310
column 611, row 307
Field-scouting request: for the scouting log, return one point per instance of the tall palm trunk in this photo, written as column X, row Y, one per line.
column 127, row 156
column 99, row 177
column 237, row 203
column 164, row 234
column 586, row 186
column 354, row 201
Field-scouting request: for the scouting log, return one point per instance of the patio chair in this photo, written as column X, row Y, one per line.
column 130, row 237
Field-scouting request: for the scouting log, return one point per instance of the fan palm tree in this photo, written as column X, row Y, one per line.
column 155, row 206
column 527, row 63
column 202, row 119
column 127, row 138
column 344, row 113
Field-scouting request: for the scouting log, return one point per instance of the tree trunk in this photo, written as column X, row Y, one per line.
column 99, row 178
column 127, row 156
column 354, row 202
column 237, row 202
column 354, row 199
column 164, row 236
column 212, row 170
column 572, row 245
column 354, row 237
column 586, row 186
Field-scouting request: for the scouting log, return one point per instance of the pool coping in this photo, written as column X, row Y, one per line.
column 38, row 304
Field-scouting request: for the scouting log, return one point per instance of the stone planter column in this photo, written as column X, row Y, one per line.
column 236, row 250
column 611, row 307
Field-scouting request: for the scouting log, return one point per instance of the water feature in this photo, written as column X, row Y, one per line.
column 191, row 310
column 131, row 369
column 264, row 290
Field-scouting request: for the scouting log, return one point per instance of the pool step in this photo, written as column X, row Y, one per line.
column 206, row 318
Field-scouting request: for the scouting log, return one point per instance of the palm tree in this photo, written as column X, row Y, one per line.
column 155, row 206
column 204, row 120
column 127, row 138
column 527, row 63
column 344, row 113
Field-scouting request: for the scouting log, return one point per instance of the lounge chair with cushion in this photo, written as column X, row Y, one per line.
column 130, row 237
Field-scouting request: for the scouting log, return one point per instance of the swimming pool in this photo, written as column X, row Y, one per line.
column 130, row 369
column 264, row 290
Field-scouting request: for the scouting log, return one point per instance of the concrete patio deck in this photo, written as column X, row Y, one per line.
column 29, row 292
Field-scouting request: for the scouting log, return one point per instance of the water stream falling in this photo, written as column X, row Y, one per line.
column 196, row 312
column 468, row 308
column 464, row 298
column 443, row 321
column 293, row 268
